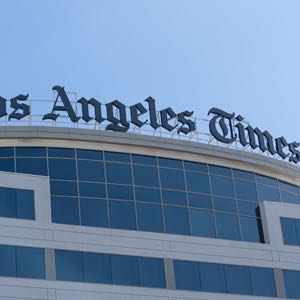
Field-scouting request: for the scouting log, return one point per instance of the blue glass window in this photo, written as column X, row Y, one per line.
column 69, row 265
column 7, row 164
column 30, row 262
column 169, row 163
column 225, row 204
column 287, row 197
column 90, row 170
column 266, row 180
column 217, row 170
column 248, row 208
column 145, row 176
column 144, row 160
column 118, row 173
column 290, row 233
column 266, row 193
column 152, row 273
column 172, row 179
column 93, row 212
column 291, row 283
column 62, row 169
column 8, row 261
column 122, row 215
column 121, row 263
column 263, row 282
column 89, row 154
column 245, row 190
column 176, row 220
column 147, row 195
column 36, row 166
column 174, row 197
column 124, row 192
column 288, row 187
column 187, row 276
column 116, row 156
column 61, row 152
column 202, row 223
column 97, row 268
column 150, row 217
column 197, row 182
column 222, row 186
column 213, row 277
column 200, row 200
column 63, row 188
column 30, row 151
column 7, row 152
column 243, row 175
column 227, row 226
column 95, row 190
column 238, row 279
column 65, row 210
column 251, row 229
column 195, row 167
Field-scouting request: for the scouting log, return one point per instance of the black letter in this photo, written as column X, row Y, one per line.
column 136, row 111
column 67, row 107
column 115, row 121
column 191, row 125
column 295, row 158
column 152, row 112
column 221, row 114
column 16, row 105
column 3, row 111
column 166, row 115
column 85, row 110
column 280, row 144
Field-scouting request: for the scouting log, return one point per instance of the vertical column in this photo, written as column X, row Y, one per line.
column 279, row 283
column 50, row 264
column 170, row 277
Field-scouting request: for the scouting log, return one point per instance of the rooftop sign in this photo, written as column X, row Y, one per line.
column 225, row 127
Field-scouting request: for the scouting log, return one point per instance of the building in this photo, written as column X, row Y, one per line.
column 104, row 215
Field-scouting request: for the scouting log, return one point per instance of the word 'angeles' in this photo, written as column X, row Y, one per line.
column 224, row 127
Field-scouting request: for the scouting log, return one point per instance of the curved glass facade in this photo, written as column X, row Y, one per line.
column 147, row 193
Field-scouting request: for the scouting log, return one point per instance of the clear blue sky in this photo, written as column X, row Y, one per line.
column 238, row 55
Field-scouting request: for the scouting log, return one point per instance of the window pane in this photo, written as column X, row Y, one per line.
column 174, row 197
column 62, row 169
column 121, row 264
column 222, row 186
column 152, row 272
column 245, row 190
column 68, row 265
column 187, row 275
column 145, row 176
column 89, row 154
column 97, row 268
column 116, row 156
column 30, row 151
column 150, row 217
column 147, row 195
column 199, row 200
column 263, row 282
column 8, row 203
column 289, row 198
column 251, row 229
column 291, row 283
column 6, row 151
column 225, row 204
column 238, row 279
column 95, row 190
column 197, row 182
column 144, row 159
column 170, row 163
column 63, row 188
column 266, row 193
column 90, row 170
column 213, row 277
column 217, row 170
column 196, row 167
column 65, row 210
column 288, row 187
column 227, row 226
column 7, row 164
column 61, row 152
column 93, row 212
column 122, row 215
column 248, row 208
column 36, row 166
column 202, row 223
column 172, row 179
column 124, row 192
column 289, row 231
column 176, row 220
column 30, row 262
column 243, row 175
column 25, row 204
column 118, row 173
column 266, row 180
column 8, row 261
